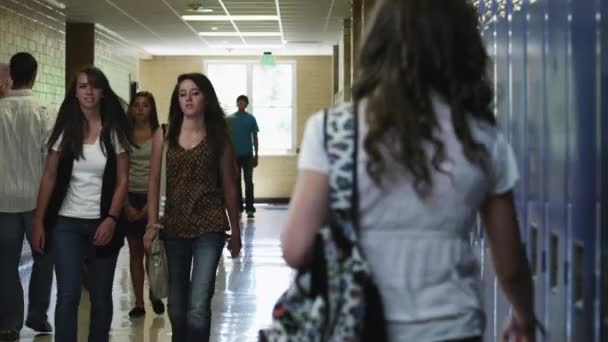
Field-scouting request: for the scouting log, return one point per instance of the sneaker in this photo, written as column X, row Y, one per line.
column 44, row 327
column 9, row 335
column 137, row 312
column 158, row 306
column 250, row 215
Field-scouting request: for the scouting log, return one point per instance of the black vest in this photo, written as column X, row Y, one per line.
column 62, row 183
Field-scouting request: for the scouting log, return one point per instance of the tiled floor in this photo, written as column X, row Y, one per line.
column 246, row 290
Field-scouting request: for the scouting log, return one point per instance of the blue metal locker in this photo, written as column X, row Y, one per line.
column 583, row 171
column 556, row 243
column 551, row 77
column 535, row 14
column 601, row 252
column 602, row 278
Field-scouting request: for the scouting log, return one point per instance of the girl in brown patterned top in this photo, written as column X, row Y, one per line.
column 195, row 221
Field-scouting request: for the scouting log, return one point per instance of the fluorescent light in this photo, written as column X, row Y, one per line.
column 214, row 28
column 249, row 46
column 232, row 17
column 237, row 34
column 57, row 4
column 280, row 21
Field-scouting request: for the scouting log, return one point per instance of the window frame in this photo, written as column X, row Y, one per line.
column 250, row 63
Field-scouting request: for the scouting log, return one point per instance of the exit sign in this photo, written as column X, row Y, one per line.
column 268, row 59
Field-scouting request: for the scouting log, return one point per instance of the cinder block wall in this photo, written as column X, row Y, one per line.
column 118, row 60
column 39, row 29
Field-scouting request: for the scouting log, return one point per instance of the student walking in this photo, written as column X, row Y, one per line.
column 82, row 191
column 198, row 151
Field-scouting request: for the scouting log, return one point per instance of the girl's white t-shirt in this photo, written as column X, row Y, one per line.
column 83, row 199
column 419, row 249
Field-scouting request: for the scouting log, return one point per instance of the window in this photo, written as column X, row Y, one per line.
column 271, row 92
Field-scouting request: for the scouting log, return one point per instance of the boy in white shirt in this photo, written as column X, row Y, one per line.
column 24, row 125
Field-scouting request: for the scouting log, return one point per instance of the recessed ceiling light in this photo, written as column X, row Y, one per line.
column 237, row 34
column 214, row 28
column 232, row 17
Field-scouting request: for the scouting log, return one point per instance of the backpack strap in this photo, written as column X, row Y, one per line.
column 340, row 134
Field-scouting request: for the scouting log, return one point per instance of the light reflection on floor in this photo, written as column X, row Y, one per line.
column 246, row 290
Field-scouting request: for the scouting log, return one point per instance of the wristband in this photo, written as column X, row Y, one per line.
column 113, row 218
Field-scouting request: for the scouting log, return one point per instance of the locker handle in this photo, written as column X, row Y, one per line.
column 543, row 261
column 579, row 275
column 534, row 249
column 566, row 266
column 554, row 264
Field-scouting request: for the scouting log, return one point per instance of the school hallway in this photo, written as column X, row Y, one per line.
column 246, row 290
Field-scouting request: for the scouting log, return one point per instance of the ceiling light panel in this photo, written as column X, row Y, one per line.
column 250, row 7
column 237, row 34
column 224, row 40
column 233, row 17
column 207, row 26
column 264, row 40
column 257, row 26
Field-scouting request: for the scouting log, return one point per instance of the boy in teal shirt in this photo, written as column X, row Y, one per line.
column 244, row 129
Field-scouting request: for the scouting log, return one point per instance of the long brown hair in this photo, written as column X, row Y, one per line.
column 71, row 121
column 153, row 119
column 215, row 118
column 412, row 49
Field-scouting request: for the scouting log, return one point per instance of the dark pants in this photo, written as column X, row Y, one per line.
column 189, row 303
column 246, row 167
column 13, row 228
column 72, row 243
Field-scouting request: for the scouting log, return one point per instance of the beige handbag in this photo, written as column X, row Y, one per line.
column 158, row 273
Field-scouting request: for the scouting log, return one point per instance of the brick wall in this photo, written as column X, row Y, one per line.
column 118, row 61
column 275, row 176
column 35, row 27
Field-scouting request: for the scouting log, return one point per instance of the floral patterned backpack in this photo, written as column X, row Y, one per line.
column 334, row 298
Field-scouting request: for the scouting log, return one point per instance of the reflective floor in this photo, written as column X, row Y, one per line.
column 246, row 290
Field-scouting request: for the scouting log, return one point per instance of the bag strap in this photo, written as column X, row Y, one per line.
column 163, row 177
column 340, row 140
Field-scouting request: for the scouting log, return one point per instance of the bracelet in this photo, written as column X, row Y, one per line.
column 113, row 218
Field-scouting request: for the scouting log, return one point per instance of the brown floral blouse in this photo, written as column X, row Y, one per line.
column 194, row 204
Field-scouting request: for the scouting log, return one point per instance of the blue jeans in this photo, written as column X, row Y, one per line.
column 13, row 228
column 72, row 242
column 189, row 303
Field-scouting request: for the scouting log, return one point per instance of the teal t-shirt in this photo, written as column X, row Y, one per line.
column 242, row 127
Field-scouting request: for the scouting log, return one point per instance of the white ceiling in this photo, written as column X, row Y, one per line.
column 156, row 26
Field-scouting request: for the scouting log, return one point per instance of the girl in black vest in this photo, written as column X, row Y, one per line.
column 82, row 191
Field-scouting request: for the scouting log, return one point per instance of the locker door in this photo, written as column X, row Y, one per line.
column 536, row 254
column 602, row 9
column 556, row 295
column 504, row 115
column 535, row 131
column 555, row 153
column 583, row 144
column 601, row 248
